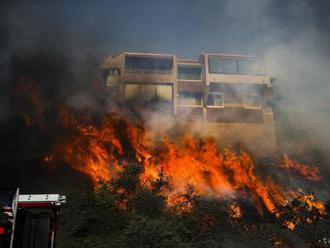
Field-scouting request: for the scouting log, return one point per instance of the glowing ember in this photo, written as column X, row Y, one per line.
column 289, row 224
column 235, row 211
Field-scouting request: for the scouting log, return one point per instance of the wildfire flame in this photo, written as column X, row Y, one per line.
column 185, row 168
column 311, row 173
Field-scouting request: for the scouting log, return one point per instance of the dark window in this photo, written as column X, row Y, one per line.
column 236, row 66
column 148, row 63
column 233, row 99
column 252, row 101
column 148, row 93
column 223, row 66
column 132, row 92
column 215, row 99
column 189, row 72
column 190, row 98
column 244, row 66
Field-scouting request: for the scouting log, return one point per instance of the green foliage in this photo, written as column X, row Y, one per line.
column 93, row 220
column 100, row 215
column 146, row 232
column 148, row 203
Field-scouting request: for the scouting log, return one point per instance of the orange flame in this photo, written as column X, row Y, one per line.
column 311, row 173
column 183, row 170
column 187, row 168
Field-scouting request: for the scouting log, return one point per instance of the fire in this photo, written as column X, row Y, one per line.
column 311, row 173
column 201, row 165
column 235, row 211
column 289, row 224
column 92, row 150
column 180, row 168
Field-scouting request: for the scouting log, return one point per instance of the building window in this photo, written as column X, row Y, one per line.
column 147, row 93
column 111, row 76
column 132, row 91
column 258, row 67
column 223, row 66
column 111, row 72
column 190, row 99
column 148, row 64
column 236, row 66
column 189, row 72
column 252, row 101
column 215, row 99
column 244, row 66
column 164, row 93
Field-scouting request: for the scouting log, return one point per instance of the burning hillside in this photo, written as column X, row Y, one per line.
column 105, row 146
column 180, row 170
column 193, row 175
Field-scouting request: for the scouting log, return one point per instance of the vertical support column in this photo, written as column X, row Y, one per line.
column 205, row 86
column 121, row 88
column 175, row 86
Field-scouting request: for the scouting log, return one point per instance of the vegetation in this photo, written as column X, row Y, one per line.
column 96, row 219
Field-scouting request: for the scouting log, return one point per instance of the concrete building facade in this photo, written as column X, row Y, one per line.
column 228, row 95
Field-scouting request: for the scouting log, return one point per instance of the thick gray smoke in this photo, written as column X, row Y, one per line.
column 38, row 44
column 293, row 36
column 302, row 81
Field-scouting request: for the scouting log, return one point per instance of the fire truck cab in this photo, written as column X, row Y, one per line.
column 28, row 221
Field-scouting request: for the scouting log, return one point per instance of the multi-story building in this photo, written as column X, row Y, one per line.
column 227, row 95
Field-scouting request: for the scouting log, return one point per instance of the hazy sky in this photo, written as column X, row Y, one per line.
column 292, row 35
column 184, row 27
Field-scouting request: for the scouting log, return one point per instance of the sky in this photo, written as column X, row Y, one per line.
column 292, row 35
column 183, row 27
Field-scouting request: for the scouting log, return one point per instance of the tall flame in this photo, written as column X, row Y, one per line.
column 183, row 168
column 191, row 166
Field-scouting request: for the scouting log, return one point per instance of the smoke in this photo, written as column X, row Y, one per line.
column 44, row 65
column 61, row 45
column 301, row 83
column 40, row 46
column 293, row 37
column 300, row 68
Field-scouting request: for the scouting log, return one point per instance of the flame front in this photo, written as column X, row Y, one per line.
column 181, row 168
column 185, row 168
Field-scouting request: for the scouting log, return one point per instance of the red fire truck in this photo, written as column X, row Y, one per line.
column 28, row 221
